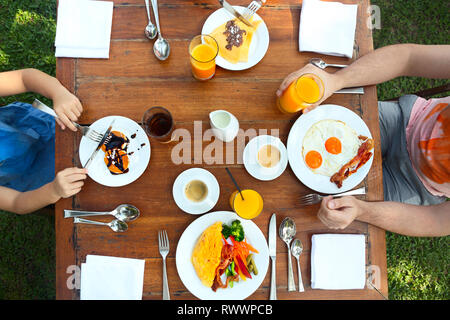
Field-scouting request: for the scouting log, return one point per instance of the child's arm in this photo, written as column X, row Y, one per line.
column 66, row 105
column 67, row 183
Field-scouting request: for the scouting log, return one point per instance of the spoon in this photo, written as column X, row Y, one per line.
column 322, row 64
column 297, row 248
column 161, row 47
column 124, row 212
column 150, row 30
column 115, row 225
column 287, row 232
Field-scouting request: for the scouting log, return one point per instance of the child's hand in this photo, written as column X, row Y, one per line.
column 67, row 107
column 68, row 182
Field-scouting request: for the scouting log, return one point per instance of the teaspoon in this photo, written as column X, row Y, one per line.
column 150, row 30
column 115, row 225
column 124, row 212
column 161, row 47
column 322, row 64
column 297, row 248
column 287, row 232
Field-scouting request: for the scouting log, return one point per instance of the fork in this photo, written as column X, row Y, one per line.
column 163, row 242
column 252, row 8
column 85, row 130
column 314, row 198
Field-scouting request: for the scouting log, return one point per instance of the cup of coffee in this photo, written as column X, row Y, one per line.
column 158, row 124
column 268, row 156
column 196, row 191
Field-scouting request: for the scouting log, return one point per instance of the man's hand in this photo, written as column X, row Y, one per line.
column 67, row 107
column 340, row 212
column 330, row 81
column 68, row 182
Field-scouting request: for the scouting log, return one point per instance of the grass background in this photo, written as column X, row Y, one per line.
column 417, row 267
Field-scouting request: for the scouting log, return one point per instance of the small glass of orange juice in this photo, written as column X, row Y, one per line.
column 203, row 50
column 248, row 208
column 301, row 93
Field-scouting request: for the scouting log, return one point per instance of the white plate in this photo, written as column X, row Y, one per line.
column 250, row 158
column 139, row 147
column 258, row 47
column 188, row 275
column 317, row 182
column 196, row 207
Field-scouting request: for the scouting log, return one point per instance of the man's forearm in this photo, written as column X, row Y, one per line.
column 411, row 220
column 387, row 63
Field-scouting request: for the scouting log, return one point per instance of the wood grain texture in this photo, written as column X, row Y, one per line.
column 132, row 80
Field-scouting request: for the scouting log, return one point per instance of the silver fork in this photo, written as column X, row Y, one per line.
column 314, row 198
column 163, row 242
column 85, row 130
column 252, row 8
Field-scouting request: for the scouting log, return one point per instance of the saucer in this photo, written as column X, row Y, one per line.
column 250, row 158
column 189, row 206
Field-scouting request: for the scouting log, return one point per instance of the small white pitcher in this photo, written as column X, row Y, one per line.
column 225, row 126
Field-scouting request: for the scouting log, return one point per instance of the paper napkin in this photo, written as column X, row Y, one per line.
column 83, row 28
column 111, row 278
column 327, row 27
column 338, row 261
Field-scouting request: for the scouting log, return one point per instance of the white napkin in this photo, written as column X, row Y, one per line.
column 112, row 278
column 327, row 27
column 338, row 261
column 83, row 29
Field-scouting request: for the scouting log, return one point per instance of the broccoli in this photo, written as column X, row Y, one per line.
column 236, row 230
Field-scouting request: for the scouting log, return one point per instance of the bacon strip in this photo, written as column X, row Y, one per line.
column 225, row 260
column 353, row 165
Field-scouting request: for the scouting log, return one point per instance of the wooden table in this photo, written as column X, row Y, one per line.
column 132, row 80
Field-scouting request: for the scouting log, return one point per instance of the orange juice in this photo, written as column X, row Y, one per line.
column 203, row 57
column 248, row 208
column 300, row 94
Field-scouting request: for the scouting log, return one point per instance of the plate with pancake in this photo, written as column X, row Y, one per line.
column 254, row 45
column 193, row 245
column 123, row 159
column 330, row 149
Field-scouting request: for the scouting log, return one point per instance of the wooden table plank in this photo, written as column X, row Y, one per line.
column 132, row 80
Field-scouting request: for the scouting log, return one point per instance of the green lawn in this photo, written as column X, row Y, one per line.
column 417, row 267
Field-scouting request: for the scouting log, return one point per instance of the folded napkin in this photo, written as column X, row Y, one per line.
column 83, row 29
column 338, row 261
column 327, row 27
column 111, row 278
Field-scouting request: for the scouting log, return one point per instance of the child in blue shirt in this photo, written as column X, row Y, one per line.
column 27, row 144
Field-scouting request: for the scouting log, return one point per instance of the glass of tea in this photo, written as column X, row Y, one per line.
column 158, row 124
column 301, row 93
column 203, row 50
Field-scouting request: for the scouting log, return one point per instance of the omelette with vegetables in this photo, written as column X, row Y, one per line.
column 223, row 256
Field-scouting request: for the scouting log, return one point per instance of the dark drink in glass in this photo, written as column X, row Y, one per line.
column 158, row 123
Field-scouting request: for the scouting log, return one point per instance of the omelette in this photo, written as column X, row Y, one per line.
column 206, row 255
column 234, row 38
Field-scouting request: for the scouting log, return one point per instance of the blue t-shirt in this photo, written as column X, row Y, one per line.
column 27, row 147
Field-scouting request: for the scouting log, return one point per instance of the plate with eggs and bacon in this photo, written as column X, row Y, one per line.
column 123, row 158
column 330, row 149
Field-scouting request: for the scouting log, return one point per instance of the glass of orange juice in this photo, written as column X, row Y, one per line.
column 248, row 208
column 203, row 50
column 301, row 93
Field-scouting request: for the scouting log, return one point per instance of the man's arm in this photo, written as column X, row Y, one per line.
column 406, row 219
column 66, row 105
column 384, row 64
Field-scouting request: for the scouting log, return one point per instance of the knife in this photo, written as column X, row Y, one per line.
column 231, row 10
column 273, row 254
column 355, row 90
column 105, row 136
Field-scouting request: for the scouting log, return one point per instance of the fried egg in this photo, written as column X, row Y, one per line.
column 328, row 145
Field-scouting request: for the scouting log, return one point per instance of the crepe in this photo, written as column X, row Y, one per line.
column 207, row 252
column 237, row 53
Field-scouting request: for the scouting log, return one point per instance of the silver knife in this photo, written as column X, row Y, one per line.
column 231, row 10
column 354, row 90
column 105, row 136
column 273, row 255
